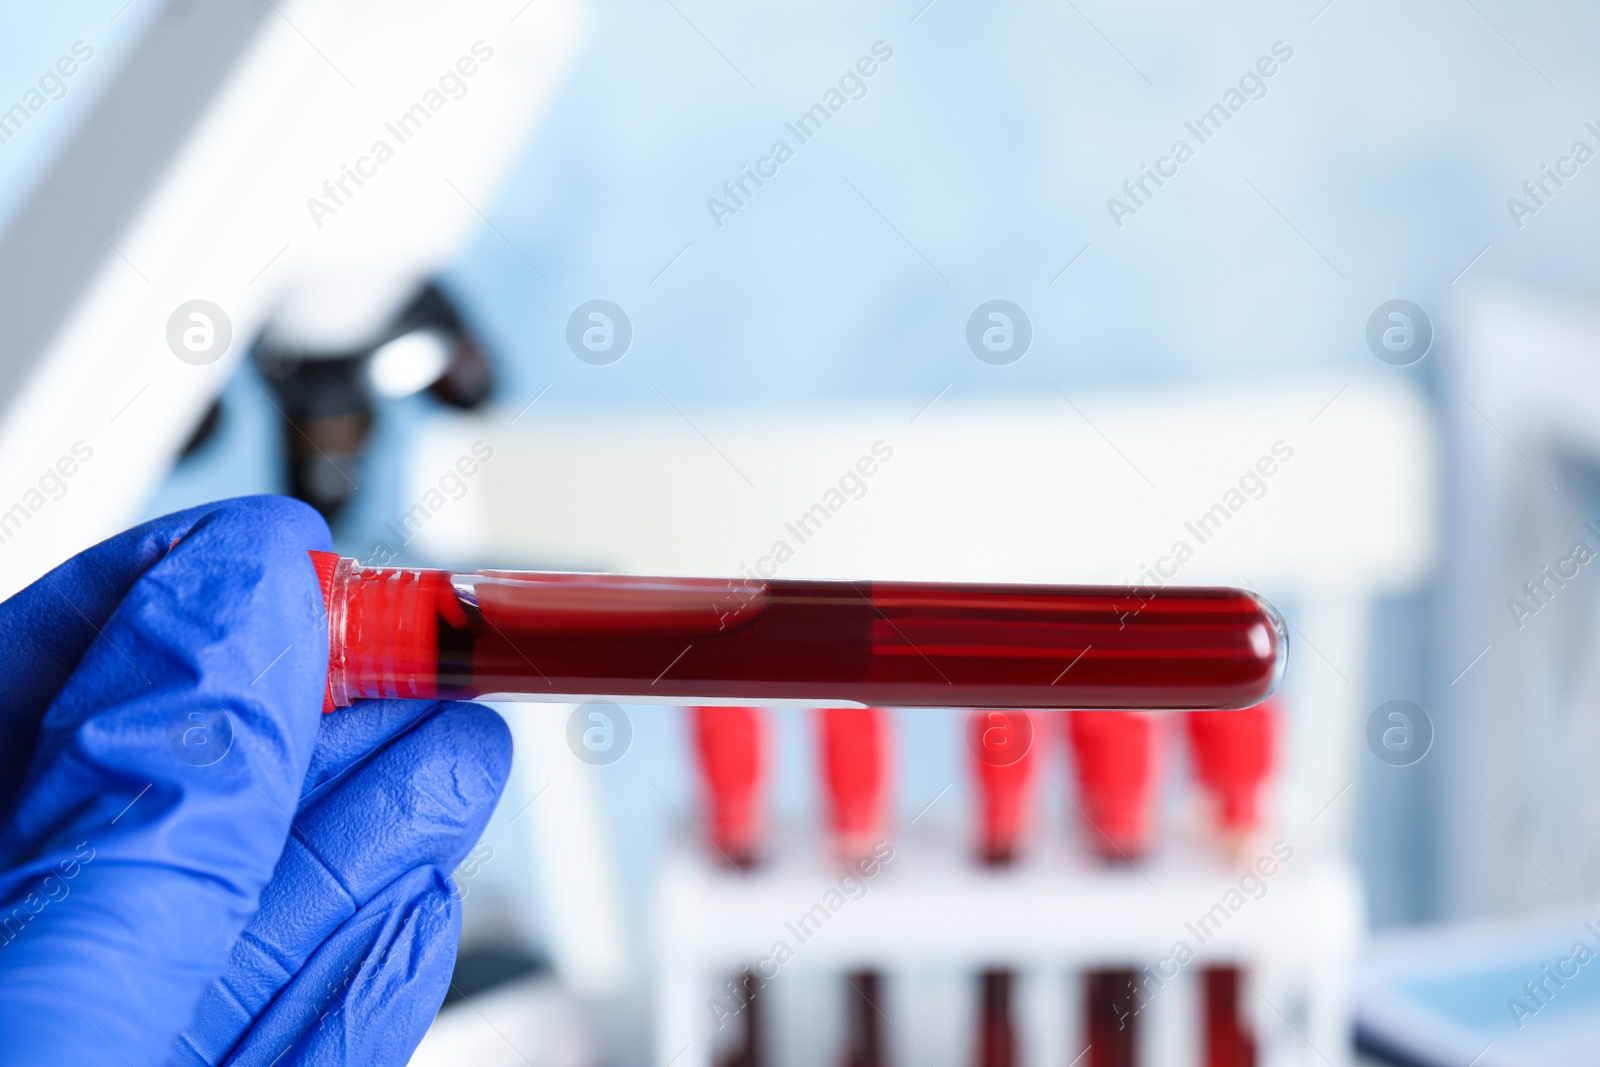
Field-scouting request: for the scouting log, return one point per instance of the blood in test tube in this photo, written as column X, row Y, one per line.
column 864, row 992
column 855, row 774
column 1115, row 756
column 1233, row 755
column 746, row 1049
column 1228, row 1039
column 731, row 745
column 1111, row 1018
column 997, row 1035
column 1002, row 745
column 400, row 632
column 1003, row 760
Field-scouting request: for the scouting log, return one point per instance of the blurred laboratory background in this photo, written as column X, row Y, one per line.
column 1298, row 297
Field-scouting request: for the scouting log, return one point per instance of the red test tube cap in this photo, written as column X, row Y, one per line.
column 1233, row 757
column 383, row 629
column 1002, row 744
column 730, row 741
column 855, row 772
column 1115, row 752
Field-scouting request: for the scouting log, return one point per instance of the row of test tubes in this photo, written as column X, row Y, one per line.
column 1113, row 793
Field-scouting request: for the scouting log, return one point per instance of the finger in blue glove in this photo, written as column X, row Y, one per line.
column 417, row 803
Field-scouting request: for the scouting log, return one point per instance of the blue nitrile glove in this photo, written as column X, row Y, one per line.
column 159, row 725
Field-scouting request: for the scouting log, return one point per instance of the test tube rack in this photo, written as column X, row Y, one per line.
column 1210, row 949
column 929, row 920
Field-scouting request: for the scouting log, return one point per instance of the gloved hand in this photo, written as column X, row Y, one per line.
column 196, row 865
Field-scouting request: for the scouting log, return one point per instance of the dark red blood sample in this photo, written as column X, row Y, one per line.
column 747, row 1047
column 1115, row 757
column 864, row 1046
column 897, row 644
column 1002, row 744
column 1228, row 1040
column 855, row 774
column 731, row 746
column 1111, row 1014
column 1233, row 757
column 997, row 1037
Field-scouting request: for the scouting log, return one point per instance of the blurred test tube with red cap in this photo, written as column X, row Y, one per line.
column 731, row 745
column 1116, row 763
column 731, row 742
column 855, row 773
column 1002, row 745
column 1234, row 753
